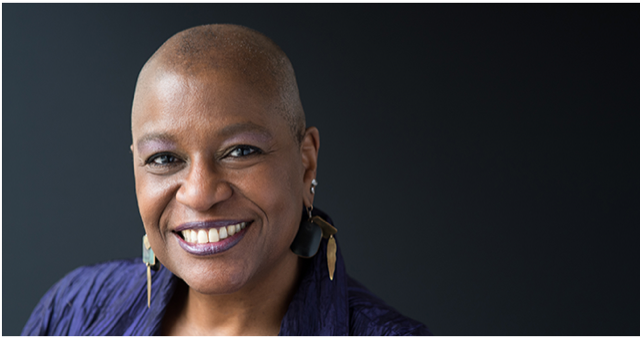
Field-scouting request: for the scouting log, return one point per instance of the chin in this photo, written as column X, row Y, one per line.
column 216, row 280
column 220, row 286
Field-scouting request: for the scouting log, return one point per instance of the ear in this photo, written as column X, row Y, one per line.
column 309, row 150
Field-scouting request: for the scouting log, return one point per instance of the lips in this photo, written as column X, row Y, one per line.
column 208, row 238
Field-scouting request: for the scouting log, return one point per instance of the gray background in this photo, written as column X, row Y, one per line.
column 480, row 161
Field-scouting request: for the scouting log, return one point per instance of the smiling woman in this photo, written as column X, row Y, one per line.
column 225, row 179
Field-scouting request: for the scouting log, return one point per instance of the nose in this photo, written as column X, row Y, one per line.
column 203, row 187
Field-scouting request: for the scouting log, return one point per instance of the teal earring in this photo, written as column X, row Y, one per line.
column 149, row 259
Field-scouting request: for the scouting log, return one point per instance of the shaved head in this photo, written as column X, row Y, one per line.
column 229, row 51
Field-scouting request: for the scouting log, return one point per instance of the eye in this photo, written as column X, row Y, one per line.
column 244, row 150
column 162, row 160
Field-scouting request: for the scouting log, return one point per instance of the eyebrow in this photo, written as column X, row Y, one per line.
column 154, row 137
column 238, row 128
column 225, row 132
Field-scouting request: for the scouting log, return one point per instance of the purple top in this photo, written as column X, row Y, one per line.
column 111, row 299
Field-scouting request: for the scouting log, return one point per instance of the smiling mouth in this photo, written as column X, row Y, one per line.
column 212, row 240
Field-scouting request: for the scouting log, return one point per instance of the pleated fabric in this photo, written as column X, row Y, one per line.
column 111, row 299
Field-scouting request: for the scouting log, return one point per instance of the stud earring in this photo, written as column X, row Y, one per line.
column 149, row 259
column 314, row 184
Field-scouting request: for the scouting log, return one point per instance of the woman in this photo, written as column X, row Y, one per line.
column 225, row 179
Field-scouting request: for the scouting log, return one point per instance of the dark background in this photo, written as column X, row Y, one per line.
column 480, row 161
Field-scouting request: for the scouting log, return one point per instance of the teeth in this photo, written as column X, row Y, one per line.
column 213, row 235
column 202, row 237
column 223, row 233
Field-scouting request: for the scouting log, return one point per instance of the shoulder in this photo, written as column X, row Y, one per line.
column 75, row 302
column 370, row 316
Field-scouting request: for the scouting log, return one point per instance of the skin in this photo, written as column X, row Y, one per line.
column 215, row 144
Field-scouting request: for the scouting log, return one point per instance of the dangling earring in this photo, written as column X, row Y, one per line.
column 310, row 233
column 308, row 238
column 149, row 259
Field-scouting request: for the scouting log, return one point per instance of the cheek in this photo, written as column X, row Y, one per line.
column 153, row 193
column 275, row 187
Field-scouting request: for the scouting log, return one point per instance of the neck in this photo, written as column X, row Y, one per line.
column 257, row 309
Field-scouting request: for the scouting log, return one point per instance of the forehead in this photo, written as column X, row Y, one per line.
column 201, row 102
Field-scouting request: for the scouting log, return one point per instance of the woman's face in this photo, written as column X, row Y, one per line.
column 211, row 154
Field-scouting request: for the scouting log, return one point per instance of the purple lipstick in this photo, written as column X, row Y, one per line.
column 211, row 237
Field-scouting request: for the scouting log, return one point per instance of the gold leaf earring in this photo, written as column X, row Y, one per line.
column 328, row 231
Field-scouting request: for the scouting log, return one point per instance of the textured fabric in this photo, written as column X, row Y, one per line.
column 111, row 299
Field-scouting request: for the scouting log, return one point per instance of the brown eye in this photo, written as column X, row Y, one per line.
column 162, row 160
column 243, row 150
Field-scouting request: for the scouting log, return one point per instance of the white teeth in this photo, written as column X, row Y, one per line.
column 202, row 237
column 213, row 235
